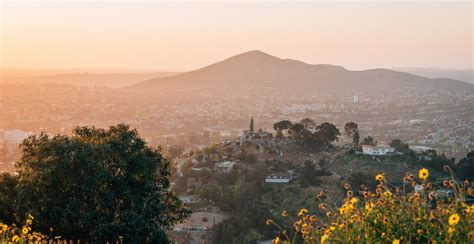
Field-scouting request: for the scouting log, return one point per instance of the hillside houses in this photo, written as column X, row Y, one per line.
column 377, row 150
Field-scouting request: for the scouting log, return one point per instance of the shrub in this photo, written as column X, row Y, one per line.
column 21, row 234
column 432, row 214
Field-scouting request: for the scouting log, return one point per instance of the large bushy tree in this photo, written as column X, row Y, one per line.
column 399, row 145
column 98, row 184
column 369, row 140
column 465, row 167
column 327, row 133
column 351, row 130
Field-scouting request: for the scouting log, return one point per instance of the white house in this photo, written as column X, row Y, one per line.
column 277, row 179
column 377, row 150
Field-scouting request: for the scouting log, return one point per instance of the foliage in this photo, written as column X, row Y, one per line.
column 9, row 198
column 369, row 140
column 308, row 123
column 97, row 185
column 296, row 130
column 282, row 125
column 465, row 167
column 327, row 133
column 399, row 145
column 307, row 175
column 432, row 159
column 434, row 214
column 243, row 202
column 22, row 234
column 351, row 130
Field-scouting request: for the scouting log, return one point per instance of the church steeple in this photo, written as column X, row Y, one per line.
column 251, row 125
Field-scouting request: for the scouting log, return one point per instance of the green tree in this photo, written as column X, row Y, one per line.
column 308, row 123
column 308, row 175
column 296, row 130
column 98, row 185
column 465, row 167
column 369, row 141
column 280, row 126
column 399, row 145
column 351, row 130
column 327, row 133
column 9, row 199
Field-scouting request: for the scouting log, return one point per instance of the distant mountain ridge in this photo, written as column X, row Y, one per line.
column 457, row 74
column 111, row 80
column 256, row 68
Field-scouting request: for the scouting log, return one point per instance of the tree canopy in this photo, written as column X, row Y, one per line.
column 369, row 140
column 465, row 167
column 96, row 185
column 351, row 130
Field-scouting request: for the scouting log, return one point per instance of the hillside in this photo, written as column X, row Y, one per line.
column 457, row 74
column 258, row 69
column 243, row 194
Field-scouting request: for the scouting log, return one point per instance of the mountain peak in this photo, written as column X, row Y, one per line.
column 254, row 54
column 261, row 69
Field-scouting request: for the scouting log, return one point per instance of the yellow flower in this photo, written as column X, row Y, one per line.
column 387, row 194
column 380, row 177
column 324, row 238
column 354, row 200
column 276, row 240
column 450, row 230
column 302, row 211
column 15, row 238
column 369, row 206
column 5, row 227
column 24, row 230
column 29, row 221
column 453, row 219
column 396, row 241
column 470, row 209
column 423, row 174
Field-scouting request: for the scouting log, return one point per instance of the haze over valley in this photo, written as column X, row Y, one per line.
column 236, row 122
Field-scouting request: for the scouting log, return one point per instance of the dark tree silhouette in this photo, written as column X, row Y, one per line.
column 369, row 141
column 351, row 130
column 308, row 123
column 327, row 133
column 97, row 185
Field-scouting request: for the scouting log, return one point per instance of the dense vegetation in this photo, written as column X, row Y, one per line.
column 430, row 213
column 248, row 201
column 94, row 185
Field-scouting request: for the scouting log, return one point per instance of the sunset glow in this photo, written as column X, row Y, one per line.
column 161, row 36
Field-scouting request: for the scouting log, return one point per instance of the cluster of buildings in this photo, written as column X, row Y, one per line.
column 440, row 119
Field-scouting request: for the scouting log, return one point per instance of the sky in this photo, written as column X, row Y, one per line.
column 167, row 36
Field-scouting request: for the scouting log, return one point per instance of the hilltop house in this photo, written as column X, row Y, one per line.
column 278, row 179
column 377, row 150
column 260, row 134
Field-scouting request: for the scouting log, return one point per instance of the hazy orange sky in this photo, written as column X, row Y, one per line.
column 182, row 36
